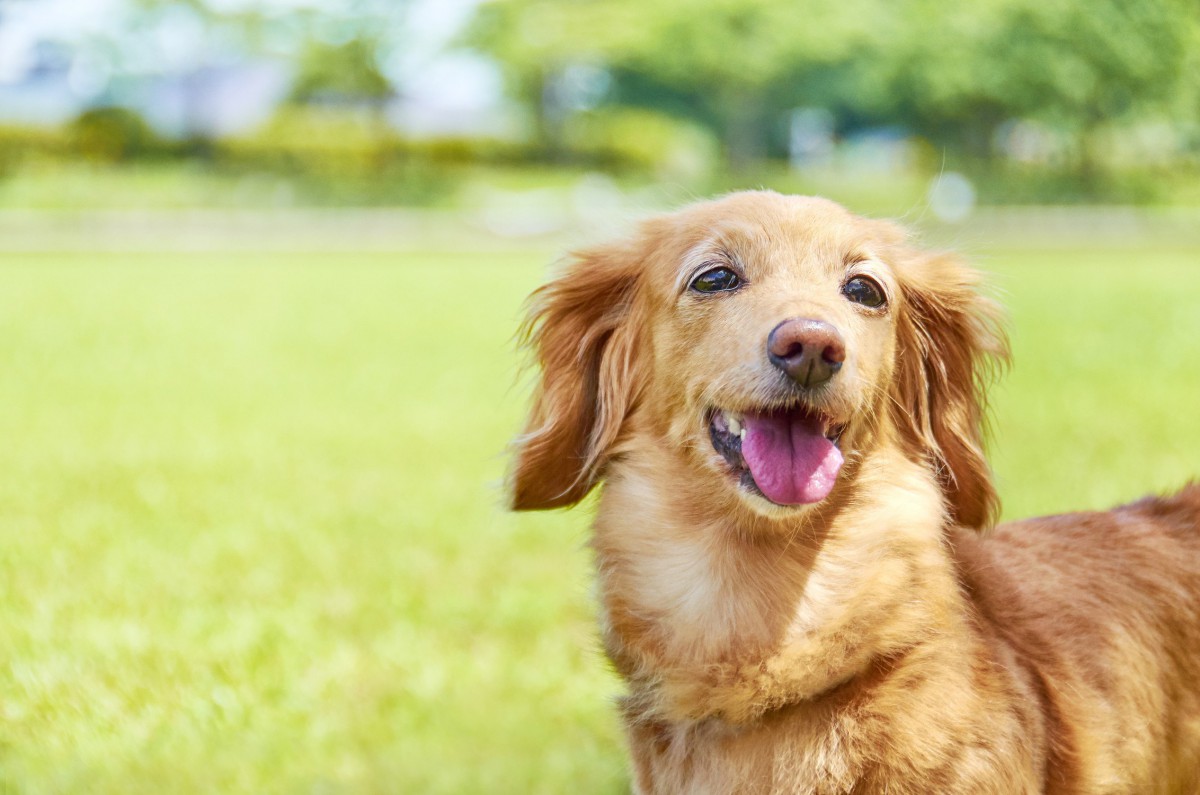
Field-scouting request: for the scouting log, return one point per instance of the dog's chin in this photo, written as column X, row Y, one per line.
column 781, row 461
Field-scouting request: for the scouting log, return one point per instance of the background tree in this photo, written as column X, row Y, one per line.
column 952, row 74
column 346, row 71
column 718, row 61
column 965, row 71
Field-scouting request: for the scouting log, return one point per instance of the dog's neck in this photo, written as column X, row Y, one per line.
column 710, row 612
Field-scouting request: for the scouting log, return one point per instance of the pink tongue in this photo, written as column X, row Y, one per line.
column 791, row 461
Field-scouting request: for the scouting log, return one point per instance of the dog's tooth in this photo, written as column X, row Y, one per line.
column 735, row 424
column 742, row 434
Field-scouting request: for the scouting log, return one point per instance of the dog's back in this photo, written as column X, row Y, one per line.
column 1103, row 611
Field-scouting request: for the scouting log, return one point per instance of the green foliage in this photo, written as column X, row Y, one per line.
column 20, row 144
column 643, row 140
column 351, row 152
column 722, row 56
column 348, row 71
column 312, row 139
column 951, row 73
column 1072, row 64
column 351, row 158
column 112, row 134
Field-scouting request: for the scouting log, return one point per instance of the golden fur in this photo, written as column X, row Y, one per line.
column 882, row 640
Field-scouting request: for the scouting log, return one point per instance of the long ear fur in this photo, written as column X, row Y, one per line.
column 951, row 344
column 579, row 331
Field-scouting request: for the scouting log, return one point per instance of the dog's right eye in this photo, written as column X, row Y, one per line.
column 717, row 280
column 862, row 290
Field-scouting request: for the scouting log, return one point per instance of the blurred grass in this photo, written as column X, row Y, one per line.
column 252, row 539
column 1099, row 406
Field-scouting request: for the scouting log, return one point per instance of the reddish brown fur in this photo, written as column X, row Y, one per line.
column 875, row 642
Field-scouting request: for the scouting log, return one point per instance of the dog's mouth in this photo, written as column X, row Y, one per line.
column 789, row 456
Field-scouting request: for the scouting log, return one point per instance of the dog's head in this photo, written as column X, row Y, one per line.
column 771, row 343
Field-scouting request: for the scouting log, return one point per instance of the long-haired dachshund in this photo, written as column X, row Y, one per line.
column 784, row 403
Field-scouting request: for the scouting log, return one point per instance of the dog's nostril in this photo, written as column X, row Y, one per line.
column 834, row 353
column 809, row 351
column 793, row 350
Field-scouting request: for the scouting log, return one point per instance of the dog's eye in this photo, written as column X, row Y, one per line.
column 862, row 290
column 717, row 280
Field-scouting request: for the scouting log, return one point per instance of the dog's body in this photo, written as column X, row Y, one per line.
column 784, row 403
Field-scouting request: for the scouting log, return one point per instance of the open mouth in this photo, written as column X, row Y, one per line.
column 790, row 456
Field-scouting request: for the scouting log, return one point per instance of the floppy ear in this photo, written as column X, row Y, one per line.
column 951, row 344
column 583, row 340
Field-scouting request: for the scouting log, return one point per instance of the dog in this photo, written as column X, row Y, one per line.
column 799, row 577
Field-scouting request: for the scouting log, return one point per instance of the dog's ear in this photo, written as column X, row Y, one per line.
column 951, row 344
column 580, row 332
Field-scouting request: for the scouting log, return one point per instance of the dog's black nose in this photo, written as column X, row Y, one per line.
column 809, row 351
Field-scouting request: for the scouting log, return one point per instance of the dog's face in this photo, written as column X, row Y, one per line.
column 775, row 335
column 771, row 342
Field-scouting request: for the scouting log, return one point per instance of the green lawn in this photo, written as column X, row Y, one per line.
column 253, row 538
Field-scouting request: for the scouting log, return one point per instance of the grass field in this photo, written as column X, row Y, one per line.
column 252, row 539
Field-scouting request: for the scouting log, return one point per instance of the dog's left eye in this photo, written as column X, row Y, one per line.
column 862, row 290
column 717, row 280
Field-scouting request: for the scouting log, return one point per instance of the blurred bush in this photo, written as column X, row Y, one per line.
column 643, row 141
column 357, row 152
column 20, row 145
column 114, row 134
column 341, row 155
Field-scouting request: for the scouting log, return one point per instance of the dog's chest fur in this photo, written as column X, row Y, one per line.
column 811, row 663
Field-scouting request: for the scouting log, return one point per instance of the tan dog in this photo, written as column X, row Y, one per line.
column 784, row 402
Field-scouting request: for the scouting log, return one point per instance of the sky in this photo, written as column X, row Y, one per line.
column 423, row 64
column 439, row 84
